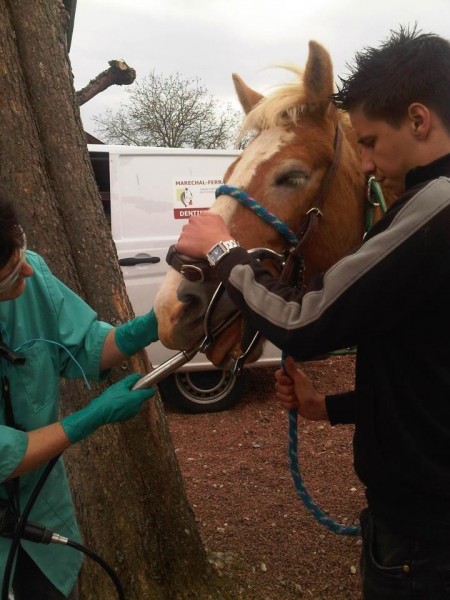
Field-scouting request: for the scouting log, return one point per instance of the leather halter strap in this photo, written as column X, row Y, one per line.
column 294, row 266
column 315, row 212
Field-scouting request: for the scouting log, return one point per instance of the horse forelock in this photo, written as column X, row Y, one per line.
column 284, row 107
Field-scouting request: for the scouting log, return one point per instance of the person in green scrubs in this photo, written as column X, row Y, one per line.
column 58, row 335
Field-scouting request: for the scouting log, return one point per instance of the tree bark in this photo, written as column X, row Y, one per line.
column 119, row 73
column 127, row 487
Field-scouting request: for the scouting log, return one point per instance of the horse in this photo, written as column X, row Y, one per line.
column 301, row 148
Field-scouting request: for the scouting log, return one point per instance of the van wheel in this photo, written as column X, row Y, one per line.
column 203, row 391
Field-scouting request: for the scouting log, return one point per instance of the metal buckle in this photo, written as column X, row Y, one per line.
column 193, row 273
column 315, row 211
column 374, row 192
column 269, row 254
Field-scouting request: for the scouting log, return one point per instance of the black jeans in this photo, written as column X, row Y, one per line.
column 31, row 584
column 397, row 567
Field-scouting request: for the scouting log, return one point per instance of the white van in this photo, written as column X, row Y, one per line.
column 148, row 194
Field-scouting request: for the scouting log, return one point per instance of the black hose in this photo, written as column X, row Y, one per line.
column 21, row 524
column 102, row 563
column 38, row 533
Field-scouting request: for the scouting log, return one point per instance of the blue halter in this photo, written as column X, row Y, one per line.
column 260, row 210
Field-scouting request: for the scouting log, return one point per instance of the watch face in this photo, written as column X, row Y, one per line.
column 219, row 250
column 216, row 252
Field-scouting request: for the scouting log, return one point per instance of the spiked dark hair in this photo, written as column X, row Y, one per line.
column 410, row 66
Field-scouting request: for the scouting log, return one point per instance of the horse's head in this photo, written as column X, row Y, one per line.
column 299, row 141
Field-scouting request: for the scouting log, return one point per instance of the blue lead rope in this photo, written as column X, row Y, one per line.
column 303, row 493
column 243, row 198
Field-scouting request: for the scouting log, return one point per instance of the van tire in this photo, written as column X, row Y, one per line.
column 203, row 391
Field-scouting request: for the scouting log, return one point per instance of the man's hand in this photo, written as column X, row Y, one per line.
column 201, row 233
column 294, row 390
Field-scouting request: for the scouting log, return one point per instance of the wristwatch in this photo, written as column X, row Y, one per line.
column 219, row 250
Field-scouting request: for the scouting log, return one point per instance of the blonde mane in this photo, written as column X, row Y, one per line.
column 282, row 108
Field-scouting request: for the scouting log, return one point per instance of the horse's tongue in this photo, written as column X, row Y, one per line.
column 226, row 346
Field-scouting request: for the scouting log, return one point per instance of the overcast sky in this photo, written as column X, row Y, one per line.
column 211, row 39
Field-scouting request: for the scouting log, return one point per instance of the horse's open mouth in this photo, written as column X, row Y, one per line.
column 230, row 346
column 226, row 346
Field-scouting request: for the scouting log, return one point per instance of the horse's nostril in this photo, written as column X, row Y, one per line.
column 193, row 304
column 193, row 296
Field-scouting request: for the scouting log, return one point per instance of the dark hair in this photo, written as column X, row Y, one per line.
column 11, row 234
column 410, row 66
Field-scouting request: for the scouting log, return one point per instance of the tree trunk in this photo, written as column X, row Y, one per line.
column 127, row 487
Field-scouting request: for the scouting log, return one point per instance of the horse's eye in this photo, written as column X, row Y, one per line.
column 294, row 179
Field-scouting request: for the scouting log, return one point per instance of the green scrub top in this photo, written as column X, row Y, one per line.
column 44, row 324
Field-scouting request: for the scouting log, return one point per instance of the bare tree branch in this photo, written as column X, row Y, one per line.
column 119, row 73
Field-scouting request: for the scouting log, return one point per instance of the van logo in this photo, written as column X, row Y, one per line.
column 194, row 196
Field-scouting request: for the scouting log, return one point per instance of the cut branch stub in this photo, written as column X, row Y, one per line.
column 119, row 73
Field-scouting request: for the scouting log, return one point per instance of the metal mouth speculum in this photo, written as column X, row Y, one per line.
column 183, row 357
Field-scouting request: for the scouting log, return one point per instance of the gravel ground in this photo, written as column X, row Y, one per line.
column 237, row 478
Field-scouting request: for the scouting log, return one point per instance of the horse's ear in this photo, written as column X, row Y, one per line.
column 247, row 97
column 318, row 78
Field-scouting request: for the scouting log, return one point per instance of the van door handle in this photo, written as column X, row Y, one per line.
column 132, row 261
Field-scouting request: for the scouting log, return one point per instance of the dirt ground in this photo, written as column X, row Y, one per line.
column 253, row 524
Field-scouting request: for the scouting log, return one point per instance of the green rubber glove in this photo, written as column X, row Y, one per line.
column 117, row 403
column 136, row 334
